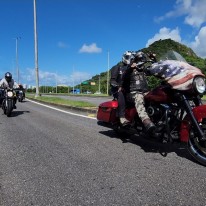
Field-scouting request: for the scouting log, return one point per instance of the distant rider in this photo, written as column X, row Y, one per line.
column 8, row 82
column 21, row 88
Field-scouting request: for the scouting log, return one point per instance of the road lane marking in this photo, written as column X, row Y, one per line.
column 60, row 110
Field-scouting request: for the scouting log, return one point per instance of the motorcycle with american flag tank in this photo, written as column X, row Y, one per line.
column 175, row 106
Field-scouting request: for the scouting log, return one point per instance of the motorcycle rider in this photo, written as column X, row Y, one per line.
column 8, row 82
column 116, row 85
column 136, row 87
column 21, row 88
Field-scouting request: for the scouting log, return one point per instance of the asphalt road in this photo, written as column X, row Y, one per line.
column 48, row 157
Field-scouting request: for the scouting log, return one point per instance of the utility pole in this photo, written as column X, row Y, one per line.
column 99, row 83
column 17, row 63
column 36, row 50
column 108, row 74
column 56, row 83
column 73, row 80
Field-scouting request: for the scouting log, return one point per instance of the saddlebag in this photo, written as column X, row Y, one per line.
column 107, row 112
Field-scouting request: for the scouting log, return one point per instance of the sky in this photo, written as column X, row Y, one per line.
column 78, row 39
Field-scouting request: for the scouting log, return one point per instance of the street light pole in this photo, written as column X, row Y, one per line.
column 99, row 84
column 17, row 63
column 36, row 51
column 108, row 74
column 73, row 80
column 56, row 83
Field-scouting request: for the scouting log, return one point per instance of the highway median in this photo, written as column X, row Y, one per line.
column 64, row 103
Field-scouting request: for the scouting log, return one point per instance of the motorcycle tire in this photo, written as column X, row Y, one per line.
column 196, row 147
column 9, row 108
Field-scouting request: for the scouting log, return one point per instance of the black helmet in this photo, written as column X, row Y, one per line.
column 140, row 56
column 8, row 76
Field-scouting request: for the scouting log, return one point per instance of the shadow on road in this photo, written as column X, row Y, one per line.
column 16, row 113
column 149, row 145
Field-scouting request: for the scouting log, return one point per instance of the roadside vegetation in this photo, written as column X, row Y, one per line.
column 204, row 98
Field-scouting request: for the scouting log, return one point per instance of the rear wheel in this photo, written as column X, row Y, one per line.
column 196, row 147
column 20, row 98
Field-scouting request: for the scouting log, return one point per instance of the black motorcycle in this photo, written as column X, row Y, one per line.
column 8, row 101
column 20, row 95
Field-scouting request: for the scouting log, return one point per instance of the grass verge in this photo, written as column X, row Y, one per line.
column 60, row 101
column 204, row 97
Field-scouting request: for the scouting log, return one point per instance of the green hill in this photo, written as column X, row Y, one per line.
column 159, row 47
column 162, row 46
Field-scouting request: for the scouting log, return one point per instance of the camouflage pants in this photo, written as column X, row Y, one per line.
column 138, row 98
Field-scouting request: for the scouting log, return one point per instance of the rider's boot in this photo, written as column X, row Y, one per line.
column 124, row 121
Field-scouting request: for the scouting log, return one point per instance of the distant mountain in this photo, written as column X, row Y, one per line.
column 159, row 48
column 162, row 46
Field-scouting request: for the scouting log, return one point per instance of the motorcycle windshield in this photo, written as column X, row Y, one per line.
column 172, row 55
column 174, row 69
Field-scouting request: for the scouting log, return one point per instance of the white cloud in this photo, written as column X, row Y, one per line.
column 61, row 44
column 78, row 77
column 30, row 77
column 50, row 78
column 199, row 44
column 165, row 33
column 92, row 48
column 196, row 15
column 193, row 10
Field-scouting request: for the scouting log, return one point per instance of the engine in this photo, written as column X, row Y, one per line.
column 154, row 112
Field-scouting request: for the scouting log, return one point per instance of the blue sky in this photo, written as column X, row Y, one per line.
column 76, row 37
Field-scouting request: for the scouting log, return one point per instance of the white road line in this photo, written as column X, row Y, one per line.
column 79, row 115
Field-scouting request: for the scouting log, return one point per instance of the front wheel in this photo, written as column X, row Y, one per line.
column 9, row 108
column 196, row 147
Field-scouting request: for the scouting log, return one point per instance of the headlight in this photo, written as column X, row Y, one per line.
column 10, row 94
column 199, row 84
